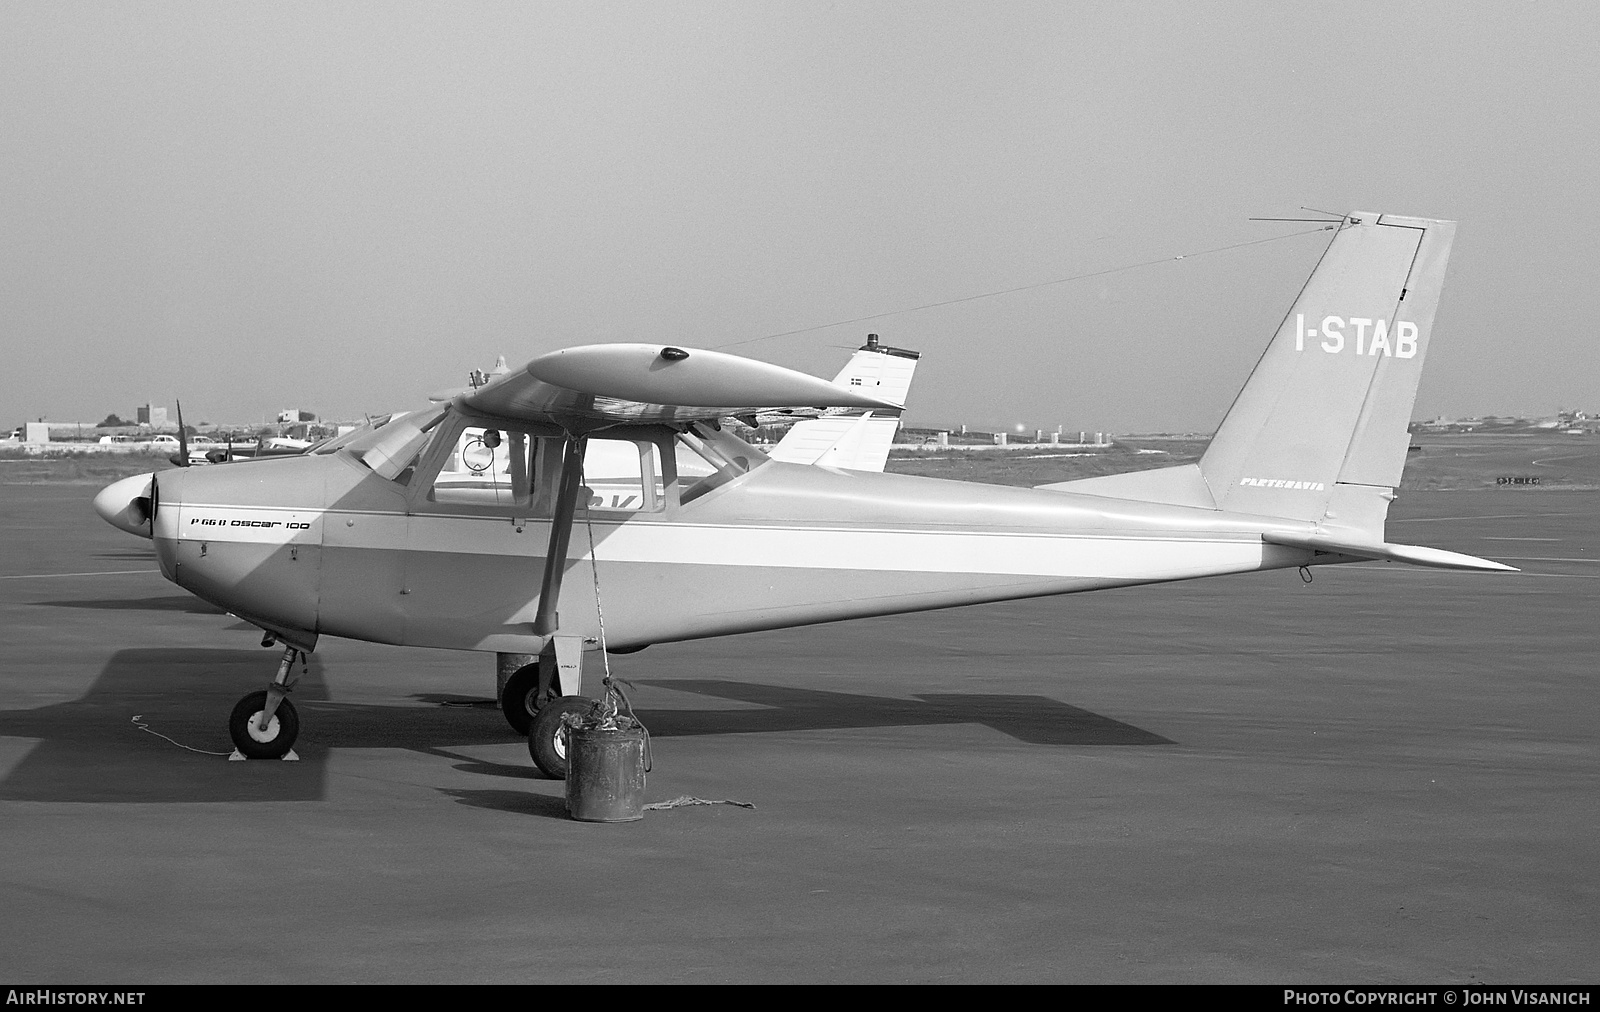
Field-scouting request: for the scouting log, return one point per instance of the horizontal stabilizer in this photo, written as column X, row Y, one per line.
column 1435, row 558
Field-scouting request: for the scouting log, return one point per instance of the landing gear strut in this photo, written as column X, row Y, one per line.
column 264, row 723
column 559, row 671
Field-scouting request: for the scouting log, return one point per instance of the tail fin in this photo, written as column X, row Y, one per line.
column 879, row 370
column 1319, row 431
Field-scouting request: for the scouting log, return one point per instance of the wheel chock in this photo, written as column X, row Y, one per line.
column 239, row 757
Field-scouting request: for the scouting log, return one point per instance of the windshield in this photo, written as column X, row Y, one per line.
column 335, row 443
column 389, row 450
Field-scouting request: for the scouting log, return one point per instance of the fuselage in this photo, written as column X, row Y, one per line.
column 432, row 527
column 322, row 545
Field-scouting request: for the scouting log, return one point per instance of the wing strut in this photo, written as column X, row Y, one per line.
column 561, row 658
column 546, row 620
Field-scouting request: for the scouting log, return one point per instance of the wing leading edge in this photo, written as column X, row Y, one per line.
column 592, row 386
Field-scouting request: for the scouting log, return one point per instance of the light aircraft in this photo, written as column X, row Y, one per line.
column 361, row 538
column 852, row 439
column 260, row 447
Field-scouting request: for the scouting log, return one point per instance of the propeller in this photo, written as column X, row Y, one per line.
column 222, row 456
column 181, row 458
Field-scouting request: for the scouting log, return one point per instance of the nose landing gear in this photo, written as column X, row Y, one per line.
column 264, row 724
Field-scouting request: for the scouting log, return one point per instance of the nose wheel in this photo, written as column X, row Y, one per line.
column 264, row 724
column 255, row 742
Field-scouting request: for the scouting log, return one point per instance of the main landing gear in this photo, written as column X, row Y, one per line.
column 264, row 723
column 519, row 699
column 536, row 696
column 533, row 709
column 547, row 739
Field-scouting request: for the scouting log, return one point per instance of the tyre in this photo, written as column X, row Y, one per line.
column 253, row 743
column 519, row 699
column 546, row 739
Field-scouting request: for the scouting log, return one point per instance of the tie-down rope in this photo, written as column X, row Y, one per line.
column 138, row 722
column 614, row 691
column 685, row 801
column 608, row 705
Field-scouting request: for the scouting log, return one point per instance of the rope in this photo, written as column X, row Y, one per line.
column 1025, row 288
column 608, row 709
column 138, row 717
column 594, row 569
column 685, row 801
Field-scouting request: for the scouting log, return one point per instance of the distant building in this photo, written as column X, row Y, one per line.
column 153, row 416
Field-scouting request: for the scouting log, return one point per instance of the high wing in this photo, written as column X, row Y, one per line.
column 593, row 386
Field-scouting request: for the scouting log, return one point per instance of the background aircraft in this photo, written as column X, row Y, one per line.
column 363, row 538
column 855, row 440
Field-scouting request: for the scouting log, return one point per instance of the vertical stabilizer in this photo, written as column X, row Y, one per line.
column 1319, row 431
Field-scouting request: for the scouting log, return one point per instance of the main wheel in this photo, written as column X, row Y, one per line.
column 519, row 699
column 547, row 742
column 254, row 743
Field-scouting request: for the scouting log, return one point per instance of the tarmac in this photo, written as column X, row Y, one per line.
column 1388, row 775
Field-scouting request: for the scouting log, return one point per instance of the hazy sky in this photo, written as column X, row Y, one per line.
column 343, row 207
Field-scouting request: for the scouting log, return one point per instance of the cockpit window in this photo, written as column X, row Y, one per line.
column 391, row 450
column 623, row 476
column 486, row 467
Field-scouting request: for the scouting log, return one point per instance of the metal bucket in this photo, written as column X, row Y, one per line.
column 605, row 773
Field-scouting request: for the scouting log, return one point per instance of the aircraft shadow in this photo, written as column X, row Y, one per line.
column 90, row 749
column 1036, row 720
